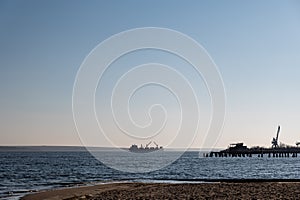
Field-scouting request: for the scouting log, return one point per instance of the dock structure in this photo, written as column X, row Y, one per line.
column 239, row 150
column 276, row 150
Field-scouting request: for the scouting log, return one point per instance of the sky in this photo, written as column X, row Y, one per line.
column 255, row 44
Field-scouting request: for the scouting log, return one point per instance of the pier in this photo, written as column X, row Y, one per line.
column 275, row 151
column 239, row 150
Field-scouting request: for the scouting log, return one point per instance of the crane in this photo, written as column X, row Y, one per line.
column 147, row 145
column 275, row 140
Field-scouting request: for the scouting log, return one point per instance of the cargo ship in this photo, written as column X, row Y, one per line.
column 134, row 148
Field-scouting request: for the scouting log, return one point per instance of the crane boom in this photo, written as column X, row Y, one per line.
column 275, row 140
column 148, row 144
column 278, row 133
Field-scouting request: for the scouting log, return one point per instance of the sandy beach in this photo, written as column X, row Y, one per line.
column 260, row 190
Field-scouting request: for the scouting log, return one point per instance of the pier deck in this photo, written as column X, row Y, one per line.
column 239, row 150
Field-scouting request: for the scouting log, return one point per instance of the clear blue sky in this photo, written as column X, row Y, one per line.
column 256, row 45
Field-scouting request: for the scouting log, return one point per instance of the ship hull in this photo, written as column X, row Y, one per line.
column 144, row 150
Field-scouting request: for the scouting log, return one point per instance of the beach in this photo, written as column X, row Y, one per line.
column 253, row 190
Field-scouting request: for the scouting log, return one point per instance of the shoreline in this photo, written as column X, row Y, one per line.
column 22, row 194
column 289, row 189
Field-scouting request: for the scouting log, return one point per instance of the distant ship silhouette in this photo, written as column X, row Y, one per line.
column 134, row 148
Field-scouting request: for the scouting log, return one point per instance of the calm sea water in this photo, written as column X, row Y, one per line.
column 22, row 172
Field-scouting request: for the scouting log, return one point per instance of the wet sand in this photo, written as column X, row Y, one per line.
column 253, row 190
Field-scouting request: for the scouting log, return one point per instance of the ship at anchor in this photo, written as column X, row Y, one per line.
column 134, row 148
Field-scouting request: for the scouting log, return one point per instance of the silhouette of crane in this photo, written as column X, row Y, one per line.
column 156, row 145
column 147, row 145
column 275, row 140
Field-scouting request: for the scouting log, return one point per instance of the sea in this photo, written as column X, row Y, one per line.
column 23, row 172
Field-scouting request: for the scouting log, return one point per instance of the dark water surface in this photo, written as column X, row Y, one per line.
column 22, row 172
